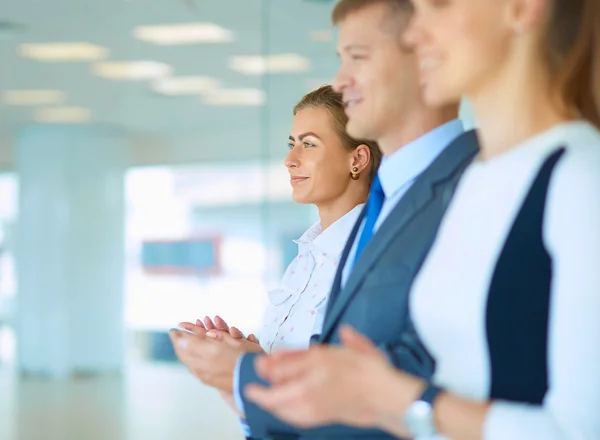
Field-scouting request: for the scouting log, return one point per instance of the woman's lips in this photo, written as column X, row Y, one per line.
column 296, row 180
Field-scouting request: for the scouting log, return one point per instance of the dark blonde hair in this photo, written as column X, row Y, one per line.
column 325, row 97
column 573, row 49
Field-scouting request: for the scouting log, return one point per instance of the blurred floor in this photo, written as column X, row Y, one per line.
column 151, row 402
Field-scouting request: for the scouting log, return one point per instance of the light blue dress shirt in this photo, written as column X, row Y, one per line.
column 397, row 174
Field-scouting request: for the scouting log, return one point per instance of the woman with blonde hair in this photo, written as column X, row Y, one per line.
column 333, row 171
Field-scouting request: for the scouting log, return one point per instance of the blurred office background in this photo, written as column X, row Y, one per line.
column 141, row 184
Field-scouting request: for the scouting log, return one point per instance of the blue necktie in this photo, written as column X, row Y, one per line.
column 374, row 205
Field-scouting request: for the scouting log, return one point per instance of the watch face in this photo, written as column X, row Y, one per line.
column 419, row 419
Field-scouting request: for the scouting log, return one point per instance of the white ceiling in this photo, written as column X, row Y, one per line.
column 169, row 129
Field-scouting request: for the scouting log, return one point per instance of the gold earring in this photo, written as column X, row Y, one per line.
column 355, row 175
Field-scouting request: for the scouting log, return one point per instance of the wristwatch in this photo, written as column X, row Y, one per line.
column 419, row 416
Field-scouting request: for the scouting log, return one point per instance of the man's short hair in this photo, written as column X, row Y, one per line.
column 343, row 8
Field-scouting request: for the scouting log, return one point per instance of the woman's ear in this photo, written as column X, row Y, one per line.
column 526, row 15
column 361, row 157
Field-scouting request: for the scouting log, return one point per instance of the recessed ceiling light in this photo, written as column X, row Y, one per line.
column 62, row 115
column 76, row 51
column 183, row 33
column 185, row 85
column 33, row 97
column 259, row 64
column 235, row 97
column 132, row 70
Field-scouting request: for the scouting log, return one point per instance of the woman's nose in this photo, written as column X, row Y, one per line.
column 413, row 33
column 292, row 161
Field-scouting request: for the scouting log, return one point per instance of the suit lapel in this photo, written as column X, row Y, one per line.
column 417, row 197
column 337, row 281
column 450, row 163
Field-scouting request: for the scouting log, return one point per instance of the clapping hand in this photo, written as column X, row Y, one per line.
column 353, row 384
column 217, row 324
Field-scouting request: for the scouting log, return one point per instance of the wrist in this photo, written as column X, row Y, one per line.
column 225, row 382
column 420, row 418
column 397, row 397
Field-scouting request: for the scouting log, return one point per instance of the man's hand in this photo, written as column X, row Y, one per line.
column 353, row 385
column 211, row 359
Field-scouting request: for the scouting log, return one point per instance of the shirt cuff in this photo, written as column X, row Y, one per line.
column 245, row 428
column 237, row 395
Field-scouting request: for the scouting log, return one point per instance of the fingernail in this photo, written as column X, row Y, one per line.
column 198, row 322
column 212, row 334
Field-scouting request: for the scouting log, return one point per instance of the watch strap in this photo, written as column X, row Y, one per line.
column 430, row 393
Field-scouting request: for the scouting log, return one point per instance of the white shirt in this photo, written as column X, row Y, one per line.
column 297, row 307
column 449, row 300
column 398, row 172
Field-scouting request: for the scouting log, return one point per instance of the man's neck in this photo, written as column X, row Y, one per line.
column 413, row 127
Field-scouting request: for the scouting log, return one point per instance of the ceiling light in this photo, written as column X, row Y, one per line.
column 58, row 115
column 33, row 97
column 235, row 97
column 62, row 51
column 185, row 85
column 258, row 65
column 183, row 33
column 134, row 70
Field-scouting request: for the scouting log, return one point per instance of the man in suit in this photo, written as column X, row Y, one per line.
column 425, row 152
